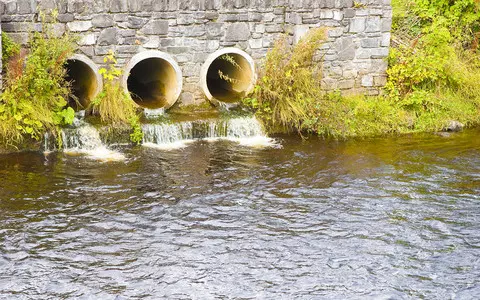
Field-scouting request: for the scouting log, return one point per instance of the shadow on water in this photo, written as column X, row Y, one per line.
column 387, row 218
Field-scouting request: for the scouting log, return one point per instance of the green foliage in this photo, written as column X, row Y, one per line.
column 433, row 76
column 434, row 73
column 114, row 106
column 33, row 101
column 9, row 48
column 288, row 84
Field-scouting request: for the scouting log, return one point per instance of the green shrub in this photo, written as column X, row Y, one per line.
column 289, row 84
column 9, row 48
column 34, row 100
column 113, row 105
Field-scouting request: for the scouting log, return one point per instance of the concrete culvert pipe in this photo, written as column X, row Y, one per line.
column 153, row 79
column 228, row 75
column 86, row 81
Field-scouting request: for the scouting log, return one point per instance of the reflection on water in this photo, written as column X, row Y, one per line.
column 392, row 218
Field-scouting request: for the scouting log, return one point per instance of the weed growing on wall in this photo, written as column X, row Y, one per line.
column 289, row 84
column 9, row 49
column 34, row 98
column 113, row 105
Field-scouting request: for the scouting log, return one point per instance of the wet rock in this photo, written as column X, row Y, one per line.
column 454, row 126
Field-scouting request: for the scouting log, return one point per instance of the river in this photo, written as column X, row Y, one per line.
column 383, row 218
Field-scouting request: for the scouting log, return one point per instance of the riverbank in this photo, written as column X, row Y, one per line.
column 432, row 83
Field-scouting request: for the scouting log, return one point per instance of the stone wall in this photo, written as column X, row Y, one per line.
column 189, row 30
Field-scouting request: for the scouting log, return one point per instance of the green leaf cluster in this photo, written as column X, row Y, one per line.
column 35, row 91
column 9, row 48
column 113, row 105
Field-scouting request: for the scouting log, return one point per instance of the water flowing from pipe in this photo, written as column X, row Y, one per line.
column 246, row 131
column 85, row 139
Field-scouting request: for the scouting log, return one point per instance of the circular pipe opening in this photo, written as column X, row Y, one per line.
column 228, row 75
column 86, row 81
column 153, row 79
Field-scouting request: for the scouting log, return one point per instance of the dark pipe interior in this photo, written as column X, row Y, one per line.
column 228, row 81
column 83, row 81
column 152, row 83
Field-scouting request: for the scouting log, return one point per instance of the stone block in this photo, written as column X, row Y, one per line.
column 373, row 24
column 335, row 32
column 299, row 32
column 260, row 28
column 102, row 21
column 346, row 84
column 370, row 42
column 118, row 6
column 19, row 38
column 380, row 81
column 185, row 19
column 386, row 24
column 212, row 45
column 274, row 28
column 87, row 40
column 385, row 42
column 79, row 26
column 379, row 53
column 178, row 50
column 367, row 81
column 187, row 98
column 108, row 36
column 345, row 48
column 127, row 49
column 26, row 6
column 357, row 25
column 159, row 27
column 255, row 43
column 237, row 32
column 211, row 15
column 349, row 13
column 64, row 18
column 153, row 42
column 136, row 22
column 103, row 50
column 11, row 7
column 87, row 50
column 200, row 57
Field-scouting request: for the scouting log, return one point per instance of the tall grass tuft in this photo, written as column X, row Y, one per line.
column 289, row 83
column 113, row 105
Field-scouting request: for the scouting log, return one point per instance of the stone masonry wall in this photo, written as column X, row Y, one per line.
column 353, row 57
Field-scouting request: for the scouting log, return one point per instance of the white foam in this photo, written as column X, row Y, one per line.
column 85, row 140
column 246, row 131
column 170, row 145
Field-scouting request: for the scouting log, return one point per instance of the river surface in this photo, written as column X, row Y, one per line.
column 386, row 218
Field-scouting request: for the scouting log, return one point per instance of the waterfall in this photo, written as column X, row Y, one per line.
column 244, row 130
column 83, row 138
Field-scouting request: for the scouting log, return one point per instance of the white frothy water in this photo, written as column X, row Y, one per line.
column 86, row 140
column 83, row 139
column 246, row 131
column 153, row 113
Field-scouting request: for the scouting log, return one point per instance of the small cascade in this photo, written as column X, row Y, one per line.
column 83, row 138
column 244, row 130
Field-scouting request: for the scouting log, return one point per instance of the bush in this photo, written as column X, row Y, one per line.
column 289, row 84
column 113, row 105
column 34, row 99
